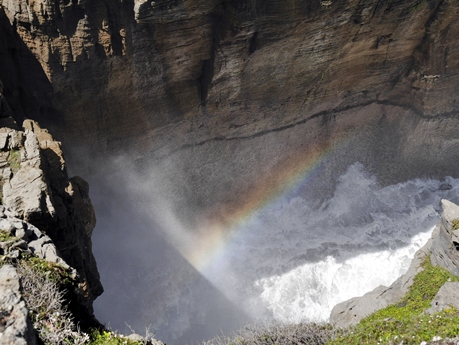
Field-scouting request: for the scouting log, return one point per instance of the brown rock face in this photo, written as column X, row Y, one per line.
column 243, row 86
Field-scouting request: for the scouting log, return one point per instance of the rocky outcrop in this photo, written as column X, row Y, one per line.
column 25, row 238
column 445, row 240
column 442, row 251
column 447, row 297
column 15, row 325
column 38, row 195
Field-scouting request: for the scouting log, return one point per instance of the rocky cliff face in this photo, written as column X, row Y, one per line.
column 244, row 87
column 37, row 190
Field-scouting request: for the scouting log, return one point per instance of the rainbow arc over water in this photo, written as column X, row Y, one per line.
column 206, row 247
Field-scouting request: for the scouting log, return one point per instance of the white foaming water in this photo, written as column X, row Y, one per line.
column 291, row 262
column 309, row 292
column 294, row 263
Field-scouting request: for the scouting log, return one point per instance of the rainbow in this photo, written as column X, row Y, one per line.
column 206, row 247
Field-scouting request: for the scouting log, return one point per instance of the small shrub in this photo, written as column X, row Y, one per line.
column 54, row 272
column 455, row 224
column 303, row 333
column 45, row 301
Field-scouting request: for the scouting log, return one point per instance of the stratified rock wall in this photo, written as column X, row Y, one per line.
column 217, row 82
column 244, row 65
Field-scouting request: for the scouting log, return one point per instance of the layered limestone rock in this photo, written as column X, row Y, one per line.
column 37, row 190
column 442, row 250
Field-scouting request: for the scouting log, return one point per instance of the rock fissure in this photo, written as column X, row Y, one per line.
column 328, row 114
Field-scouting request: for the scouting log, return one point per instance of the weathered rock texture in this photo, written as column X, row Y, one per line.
column 445, row 298
column 241, row 88
column 36, row 189
column 15, row 325
column 442, row 251
column 445, row 240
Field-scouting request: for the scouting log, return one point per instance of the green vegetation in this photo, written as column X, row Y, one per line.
column 5, row 236
column 404, row 322
column 54, row 272
column 455, row 224
column 14, row 160
column 110, row 338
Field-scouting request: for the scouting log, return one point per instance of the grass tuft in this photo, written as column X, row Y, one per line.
column 104, row 337
column 14, row 160
column 5, row 236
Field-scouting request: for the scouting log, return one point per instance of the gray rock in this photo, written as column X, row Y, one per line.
column 20, row 233
column 5, row 225
column 27, row 193
column 15, row 139
column 45, row 249
column 445, row 240
column 21, row 244
column 446, row 297
column 32, row 150
column 15, row 325
column 3, row 140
